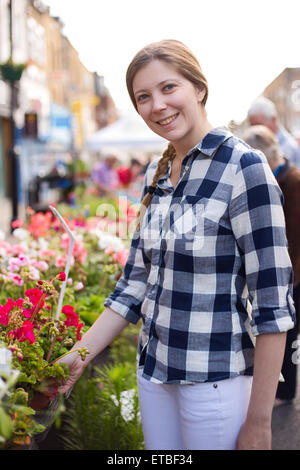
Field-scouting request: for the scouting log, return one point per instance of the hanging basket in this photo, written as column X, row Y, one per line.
column 11, row 72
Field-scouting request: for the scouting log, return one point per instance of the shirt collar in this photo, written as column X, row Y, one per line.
column 213, row 140
column 207, row 146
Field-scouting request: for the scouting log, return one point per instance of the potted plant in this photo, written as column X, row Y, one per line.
column 37, row 339
column 11, row 71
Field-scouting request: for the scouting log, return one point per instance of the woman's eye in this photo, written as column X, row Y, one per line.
column 169, row 87
column 142, row 97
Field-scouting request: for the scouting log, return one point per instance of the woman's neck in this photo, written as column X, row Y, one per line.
column 182, row 147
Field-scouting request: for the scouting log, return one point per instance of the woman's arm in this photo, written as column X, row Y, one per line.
column 105, row 329
column 255, row 434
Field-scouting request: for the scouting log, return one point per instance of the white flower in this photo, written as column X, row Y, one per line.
column 43, row 243
column 127, row 403
column 20, row 233
column 79, row 286
column 2, row 235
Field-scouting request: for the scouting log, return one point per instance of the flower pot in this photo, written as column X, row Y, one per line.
column 12, row 72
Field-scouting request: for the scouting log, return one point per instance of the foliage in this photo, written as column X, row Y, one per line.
column 17, row 423
column 11, row 71
column 103, row 413
column 36, row 339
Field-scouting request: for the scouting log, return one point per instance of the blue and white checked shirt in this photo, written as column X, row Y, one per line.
column 205, row 248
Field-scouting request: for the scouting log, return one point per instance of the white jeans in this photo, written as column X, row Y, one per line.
column 206, row 416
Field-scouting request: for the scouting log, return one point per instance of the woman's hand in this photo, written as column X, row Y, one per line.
column 254, row 436
column 76, row 367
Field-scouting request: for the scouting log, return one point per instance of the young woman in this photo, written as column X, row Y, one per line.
column 210, row 238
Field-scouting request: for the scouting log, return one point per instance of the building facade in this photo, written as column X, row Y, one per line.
column 284, row 91
column 59, row 103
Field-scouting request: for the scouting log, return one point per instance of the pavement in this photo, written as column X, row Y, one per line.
column 286, row 424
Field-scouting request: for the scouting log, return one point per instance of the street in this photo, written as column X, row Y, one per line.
column 286, row 425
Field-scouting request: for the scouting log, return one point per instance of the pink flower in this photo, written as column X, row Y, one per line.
column 41, row 265
column 109, row 250
column 61, row 276
column 17, row 280
column 60, row 261
column 17, row 223
column 79, row 286
column 35, row 274
column 46, row 253
column 121, row 256
column 18, row 249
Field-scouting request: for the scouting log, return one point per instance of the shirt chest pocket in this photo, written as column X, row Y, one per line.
column 216, row 213
column 200, row 217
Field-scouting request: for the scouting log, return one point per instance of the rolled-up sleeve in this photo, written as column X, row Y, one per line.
column 258, row 225
column 130, row 290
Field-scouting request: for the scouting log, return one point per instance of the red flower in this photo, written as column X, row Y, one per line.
column 25, row 332
column 67, row 309
column 4, row 316
column 72, row 317
column 61, row 276
column 35, row 296
column 78, row 331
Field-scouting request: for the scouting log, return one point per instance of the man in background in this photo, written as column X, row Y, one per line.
column 263, row 112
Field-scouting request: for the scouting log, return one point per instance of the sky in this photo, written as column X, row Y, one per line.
column 241, row 45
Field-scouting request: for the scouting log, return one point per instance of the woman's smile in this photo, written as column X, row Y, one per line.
column 167, row 121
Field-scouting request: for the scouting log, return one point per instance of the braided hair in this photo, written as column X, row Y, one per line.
column 162, row 166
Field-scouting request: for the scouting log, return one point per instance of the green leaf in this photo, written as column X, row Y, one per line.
column 89, row 317
column 6, row 426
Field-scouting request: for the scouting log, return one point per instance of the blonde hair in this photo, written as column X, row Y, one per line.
column 184, row 61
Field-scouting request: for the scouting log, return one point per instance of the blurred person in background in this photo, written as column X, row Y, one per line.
column 288, row 178
column 105, row 177
column 129, row 174
column 263, row 112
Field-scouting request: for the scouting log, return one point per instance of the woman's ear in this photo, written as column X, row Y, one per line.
column 200, row 92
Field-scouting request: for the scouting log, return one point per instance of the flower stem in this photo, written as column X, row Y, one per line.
column 37, row 306
column 51, row 349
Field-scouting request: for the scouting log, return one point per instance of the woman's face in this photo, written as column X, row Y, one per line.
column 169, row 103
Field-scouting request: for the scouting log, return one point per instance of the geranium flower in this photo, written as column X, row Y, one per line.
column 17, row 223
column 78, row 335
column 61, row 276
column 72, row 317
column 25, row 332
column 60, row 261
column 17, row 280
column 4, row 316
column 79, row 286
column 121, row 256
column 35, row 296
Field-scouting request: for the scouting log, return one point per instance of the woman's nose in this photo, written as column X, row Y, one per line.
column 158, row 103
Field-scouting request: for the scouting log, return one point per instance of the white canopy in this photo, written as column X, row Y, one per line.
column 128, row 133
